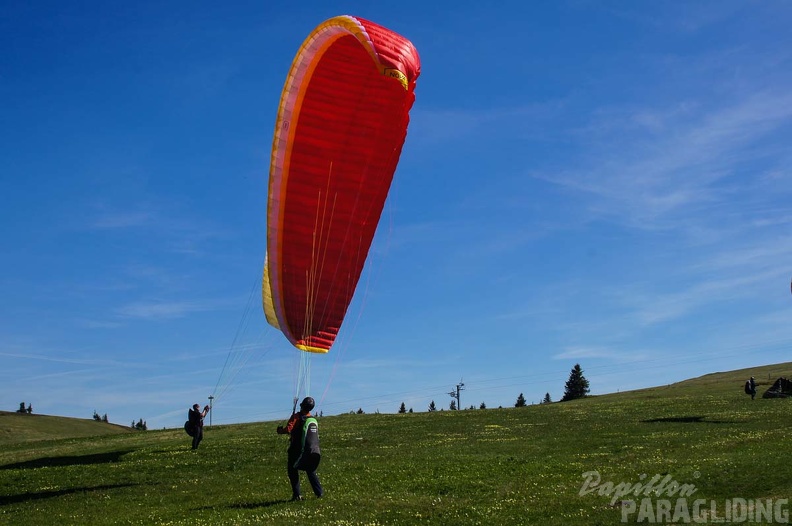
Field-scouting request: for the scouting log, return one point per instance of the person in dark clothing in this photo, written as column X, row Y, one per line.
column 195, row 418
column 752, row 383
column 303, row 453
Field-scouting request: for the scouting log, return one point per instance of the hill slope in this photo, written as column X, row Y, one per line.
column 552, row 464
column 17, row 428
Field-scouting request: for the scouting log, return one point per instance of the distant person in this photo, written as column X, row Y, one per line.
column 750, row 387
column 195, row 418
column 303, row 453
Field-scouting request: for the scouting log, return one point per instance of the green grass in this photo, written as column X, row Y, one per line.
column 495, row 466
column 15, row 427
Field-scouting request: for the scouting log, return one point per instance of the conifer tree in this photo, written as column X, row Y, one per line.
column 577, row 386
column 402, row 408
column 546, row 399
column 432, row 406
column 520, row 401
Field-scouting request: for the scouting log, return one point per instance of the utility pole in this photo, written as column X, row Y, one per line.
column 455, row 393
column 210, row 409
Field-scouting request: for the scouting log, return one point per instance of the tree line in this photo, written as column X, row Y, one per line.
column 140, row 425
column 577, row 386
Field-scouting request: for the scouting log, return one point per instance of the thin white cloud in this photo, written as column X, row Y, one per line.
column 98, row 324
column 156, row 310
column 575, row 353
column 682, row 17
column 113, row 220
column 651, row 307
column 174, row 224
column 432, row 126
column 662, row 180
column 56, row 357
column 748, row 256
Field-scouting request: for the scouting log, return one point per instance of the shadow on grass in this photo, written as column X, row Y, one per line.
column 72, row 460
column 250, row 505
column 688, row 420
column 24, row 497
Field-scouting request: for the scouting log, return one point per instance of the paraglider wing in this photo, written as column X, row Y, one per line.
column 339, row 133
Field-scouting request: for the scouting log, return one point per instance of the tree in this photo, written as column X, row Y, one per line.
column 452, row 407
column 432, row 406
column 360, row 411
column 30, row 409
column 546, row 399
column 402, row 408
column 520, row 401
column 21, row 408
column 104, row 418
column 96, row 416
column 483, row 406
column 410, row 411
column 577, row 386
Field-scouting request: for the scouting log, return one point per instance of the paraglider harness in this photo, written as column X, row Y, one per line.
column 193, row 422
column 306, row 425
column 310, row 438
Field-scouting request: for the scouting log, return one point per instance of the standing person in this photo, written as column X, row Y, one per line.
column 752, row 382
column 195, row 418
column 303, row 453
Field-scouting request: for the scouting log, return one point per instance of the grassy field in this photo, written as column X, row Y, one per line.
column 534, row 465
column 31, row 428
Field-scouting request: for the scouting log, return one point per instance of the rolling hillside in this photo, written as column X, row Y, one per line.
column 17, row 428
column 529, row 465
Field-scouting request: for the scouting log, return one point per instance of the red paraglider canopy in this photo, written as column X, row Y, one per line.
column 341, row 125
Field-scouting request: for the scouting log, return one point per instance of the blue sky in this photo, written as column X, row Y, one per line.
column 603, row 183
